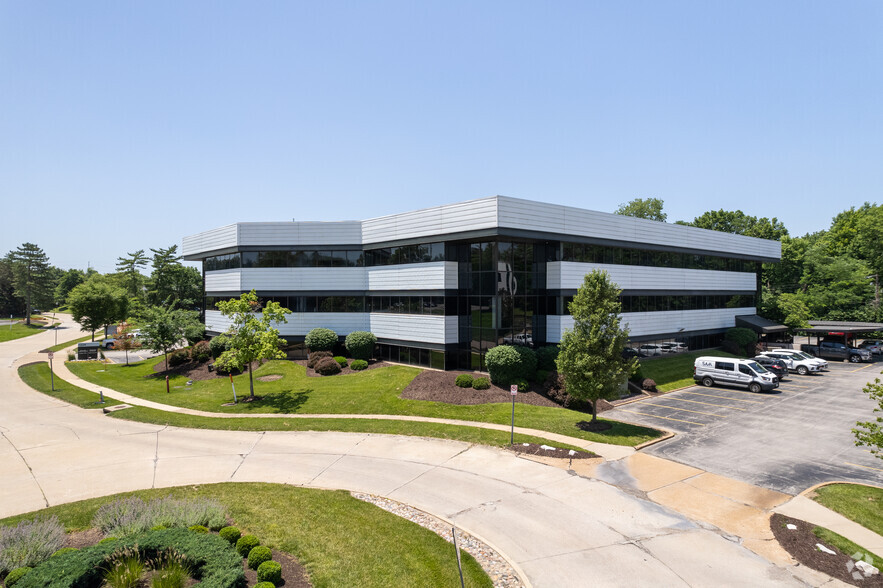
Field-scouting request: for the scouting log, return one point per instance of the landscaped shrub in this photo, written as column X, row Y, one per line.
column 481, row 384
column 546, row 357
column 219, row 345
column 179, row 357
column 341, row 361
column 464, row 381
column 201, row 352
column 270, row 571
column 315, row 356
column 197, row 529
column 209, row 556
column 648, row 385
column 541, row 376
column 259, row 555
column 127, row 516
column 637, row 377
column 15, row 575
column 245, row 544
column 71, row 356
column 64, row 550
column 360, row 344
column 158, row 527
column 265, row 585
column 231, row 534
column 195, row 335
column 743, row 339
column 528, row 363
column 320, row 339
column 29, row 542
column 109, row 540
column 327, row 366
column 359, row 365
column 523, row 386
column 504, row 364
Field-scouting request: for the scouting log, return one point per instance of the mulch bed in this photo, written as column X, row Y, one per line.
column 192, row 370
column 801, row 544
column 440, row 387
column 372, row 365
column 534, row 449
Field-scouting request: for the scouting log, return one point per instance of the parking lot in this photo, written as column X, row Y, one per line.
column 789, row 439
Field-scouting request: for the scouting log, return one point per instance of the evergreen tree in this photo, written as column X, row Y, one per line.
column 130, row 266
column 32, row 276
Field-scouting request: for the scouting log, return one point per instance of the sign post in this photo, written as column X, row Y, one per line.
column 167, row 385
column 234, row 389
column 51, row 371
column 513, row 390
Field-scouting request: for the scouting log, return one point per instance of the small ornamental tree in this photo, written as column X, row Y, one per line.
column 252, row 336
column 125, row 340
column 165, row 327
column 870, row 433
column 320, row 339
column 360, row 344
column 590, row 357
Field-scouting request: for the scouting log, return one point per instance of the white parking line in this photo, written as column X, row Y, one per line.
column 656, row 416
column 688, row 410
column 724, row 397
column 709, row 403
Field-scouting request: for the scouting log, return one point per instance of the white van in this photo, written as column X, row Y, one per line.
column 731, row 371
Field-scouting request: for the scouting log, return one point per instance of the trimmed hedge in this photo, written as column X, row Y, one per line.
column 507, row 364
column 245, row 544
column 341, row 361
column 270, row 571
column 359, row 365
column 481, row 384
column 231, row 534
column 320, row 339
column 327, row 366
column 210, row 558
column 464, row 381
column 360, row 344
column 259, row 555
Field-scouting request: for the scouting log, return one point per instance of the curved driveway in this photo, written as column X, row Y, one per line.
column 557, row 528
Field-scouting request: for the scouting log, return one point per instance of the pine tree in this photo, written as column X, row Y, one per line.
column 130, row 266
column 32, row 276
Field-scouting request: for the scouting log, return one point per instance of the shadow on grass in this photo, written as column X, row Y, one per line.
column 284, row 402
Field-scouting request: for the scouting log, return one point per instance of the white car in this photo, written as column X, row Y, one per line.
column 650, row 350
column 796, row 361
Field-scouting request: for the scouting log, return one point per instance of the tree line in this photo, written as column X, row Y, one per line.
column 832, row 274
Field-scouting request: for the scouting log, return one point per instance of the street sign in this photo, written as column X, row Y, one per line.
column 51, row 355
column 513, row 389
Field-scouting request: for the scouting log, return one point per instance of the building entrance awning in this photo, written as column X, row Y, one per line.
column 758, row 324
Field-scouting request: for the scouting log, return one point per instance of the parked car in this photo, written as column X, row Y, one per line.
column 650, row 350
column 731, row 371
column 875, row 346
column 773, row 364
column 797, row 362
column 630, row 352
column 838, row 351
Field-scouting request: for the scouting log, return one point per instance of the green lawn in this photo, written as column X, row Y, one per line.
column 862, row 504
column 340, row 540
column 370, row 392
column 18, row 330
column 37, row 376
column 675, row 371
column 846, row 546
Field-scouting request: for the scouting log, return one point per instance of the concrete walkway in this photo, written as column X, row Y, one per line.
column 556, row 527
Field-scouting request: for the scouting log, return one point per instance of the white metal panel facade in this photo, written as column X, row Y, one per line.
column 431, row 222
column 419, row 328
column 301, row 233
column 650, row 323
column 300, row 323
column 288, row 279
column 565, row 275
column 436, row 275
column 223, row 281
column 211, row 240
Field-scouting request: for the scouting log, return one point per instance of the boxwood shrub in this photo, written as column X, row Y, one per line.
column 464, row 381
column 481, row 384
column 341, row 361
column 245, row 544
column 327, row 366
column 320, row 339
column 359, row 365
column 231, row 534
column 259, row 555
column 270, row 571
column 360, row 344
column 265, row 585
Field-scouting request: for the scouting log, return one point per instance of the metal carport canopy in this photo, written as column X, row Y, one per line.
column 759, row 324
column 825, row 327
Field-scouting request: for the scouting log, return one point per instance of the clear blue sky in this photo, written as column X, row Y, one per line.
column 128, row 125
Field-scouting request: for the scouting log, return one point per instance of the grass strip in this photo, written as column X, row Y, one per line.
column 67, row 344
column 374, row 391
column 38, row 377
column 861, row 504
column 846, row 546
column 340, row 540
column 490, row 437
column 675, row 371
column 18, row 330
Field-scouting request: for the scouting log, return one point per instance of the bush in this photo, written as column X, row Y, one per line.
column 481, row 384
column 327, row 366
column 201, row 352
column 108, row 540
column 158, row 527
column 15, row 575
column 743, row 339
column 218, row 345
column 265, row 585
column 64, row 550
column 320, row 339
column 195, row 335
column 259, row 555
column 648, row 385
column 359, row 365
column 245, row 544
column 546, row 357
column 541, row 376
column 523, row 385
column 179, row 357
column 270, row 571
column 506, row 364
column 71, row 356
column 127, row 516
column 464, row 381
column 556, row 390
column 341, row 361
column 315, row 356
column 29, row 542
column 638, row 377
column 360, row 344
column 231, row 534
column 197, row 529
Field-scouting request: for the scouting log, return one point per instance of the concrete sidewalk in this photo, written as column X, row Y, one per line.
column 556, row 527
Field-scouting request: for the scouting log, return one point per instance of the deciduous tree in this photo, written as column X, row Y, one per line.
column 649, row 208
column 165, row 327
column 870, row 433
column 252, row 335
column 95, row 304
column 591, row 359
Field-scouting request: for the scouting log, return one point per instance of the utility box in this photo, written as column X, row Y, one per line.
column 88, row 350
